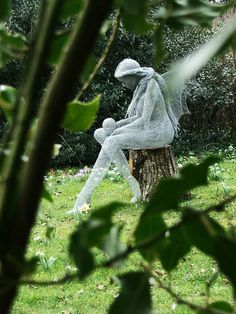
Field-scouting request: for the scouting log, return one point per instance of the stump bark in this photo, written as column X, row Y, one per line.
column 150, row 165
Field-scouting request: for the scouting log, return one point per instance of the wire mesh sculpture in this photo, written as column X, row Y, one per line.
column 151, row 121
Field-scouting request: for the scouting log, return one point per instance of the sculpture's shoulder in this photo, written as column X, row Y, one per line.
column 153, row 86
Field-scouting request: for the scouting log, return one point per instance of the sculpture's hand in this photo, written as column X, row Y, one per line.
column 109, row 125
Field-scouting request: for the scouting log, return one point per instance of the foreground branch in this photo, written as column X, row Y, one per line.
column 24, row 112
column 51, row 114
column 158, row 283
column 132, row 249
column 150, row 242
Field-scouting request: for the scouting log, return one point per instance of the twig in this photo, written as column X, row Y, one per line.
column 53, row 107
column 182, row 301
column 103, row 57
column 72, row 150
column 148, row 243
column 131, row 249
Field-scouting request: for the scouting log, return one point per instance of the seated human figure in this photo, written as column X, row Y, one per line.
column 151, row 122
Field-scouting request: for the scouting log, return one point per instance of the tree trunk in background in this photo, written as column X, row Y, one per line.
column 149, row 166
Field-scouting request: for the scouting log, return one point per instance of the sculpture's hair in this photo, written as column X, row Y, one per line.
column 175, row 100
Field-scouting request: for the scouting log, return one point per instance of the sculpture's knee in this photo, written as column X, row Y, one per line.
column 100, row 135
column 110, row 145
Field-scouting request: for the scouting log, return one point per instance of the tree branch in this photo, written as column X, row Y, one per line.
column 51, row 114
column 103, row 57
column 11, row 164
column 180, row 300
column 150, row 242
column 132, row 249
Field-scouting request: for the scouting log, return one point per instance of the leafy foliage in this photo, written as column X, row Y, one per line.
column 13, row 45
column 8, row 99
column 135, row 296
column 80, row 116
column 4, row 9
column 190, row 12
column 155, row 240
column 70, row 8
column 98, row 232
column 134, row 15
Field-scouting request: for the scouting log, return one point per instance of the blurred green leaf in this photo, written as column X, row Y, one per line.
column 98, row 231
column 190, row 12
column 5, row 6
column 111, row 243
column 106, row 212
column 191, row 176
column 133, row 14
column 225, row 255
column 71, row 8
column 88, row 68
column 12, row 46
column 222, row 305
column 58, row 44
column 30, row 266
column 170, row 249
column 185, row 69
column 149, row 227
column 80, row 116
column 81, row 254
column 8, row 99
column 135, row 296
column 219, row 305
column 46, row 195
column 202, row 231
column 168, row 195
column 173, row 248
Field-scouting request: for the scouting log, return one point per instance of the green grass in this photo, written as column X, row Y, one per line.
column 96, row 293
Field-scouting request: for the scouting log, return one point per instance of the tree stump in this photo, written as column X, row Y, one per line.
column 150, row 165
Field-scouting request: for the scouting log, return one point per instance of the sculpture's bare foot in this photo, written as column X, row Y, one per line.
column 136, row 191
column 135, row 199
column 82, row 205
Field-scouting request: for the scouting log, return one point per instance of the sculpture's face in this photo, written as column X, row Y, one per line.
column 130, row 81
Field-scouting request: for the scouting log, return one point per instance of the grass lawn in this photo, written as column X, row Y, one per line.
column 96, row 293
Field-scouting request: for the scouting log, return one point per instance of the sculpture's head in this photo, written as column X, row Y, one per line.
column 127, row 72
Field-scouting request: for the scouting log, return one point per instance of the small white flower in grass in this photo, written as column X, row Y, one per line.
column 173, row 306
column 38, row 238
column 152, row 281
column 39, row 254
column 85, row 208
column 68, row 268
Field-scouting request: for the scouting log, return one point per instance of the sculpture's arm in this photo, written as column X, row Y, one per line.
column 126, row 121
column 153, row 96
column 136, row 124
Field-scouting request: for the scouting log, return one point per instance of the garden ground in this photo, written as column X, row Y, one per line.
column 96, row 293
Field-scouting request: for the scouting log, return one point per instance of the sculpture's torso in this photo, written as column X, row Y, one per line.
column 159, row 124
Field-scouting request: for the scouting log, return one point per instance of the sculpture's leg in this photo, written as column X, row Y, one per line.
column 122, row 165
column 110, row 149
